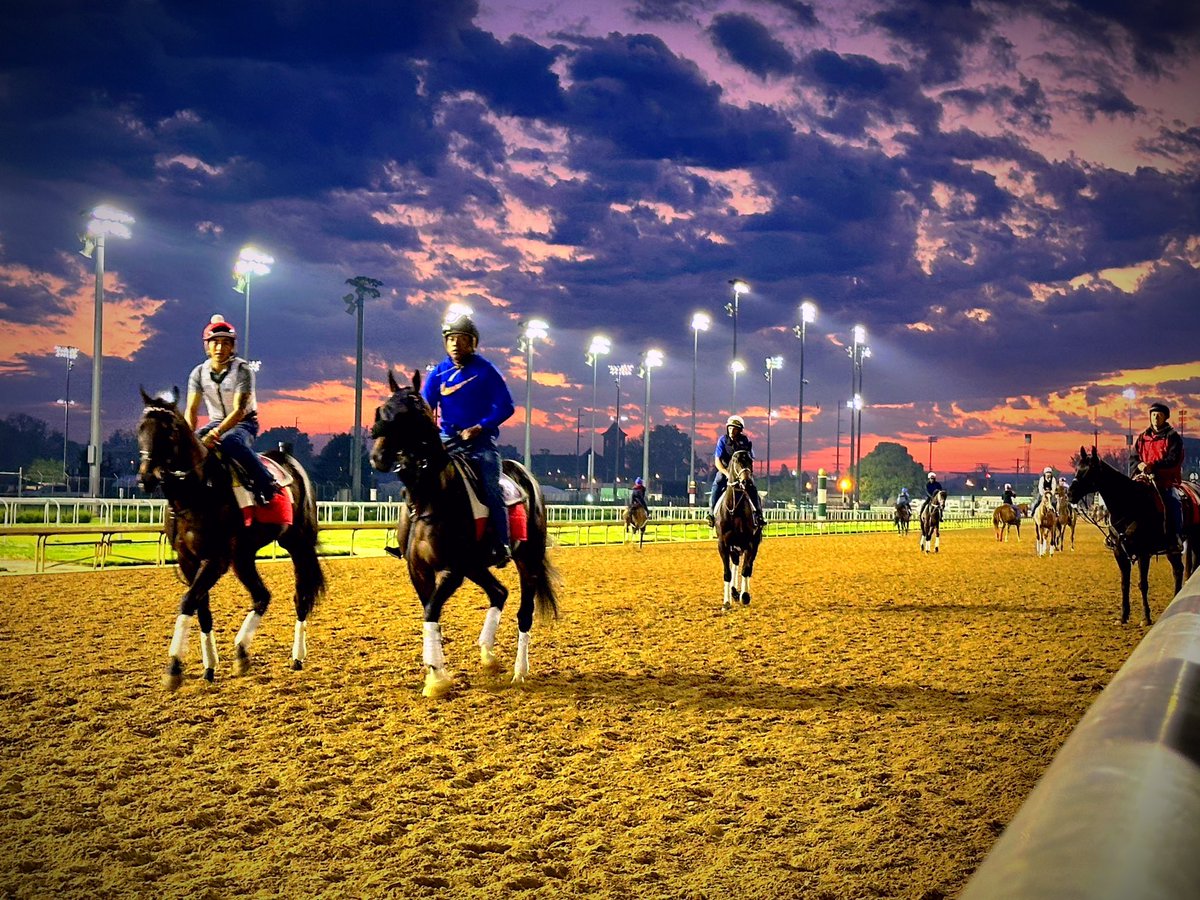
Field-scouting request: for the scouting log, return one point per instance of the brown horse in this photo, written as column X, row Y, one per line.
column 737, row 535
column 206, row 528
column 901, row 516
column 931, row 523
column 1004, row 518
column 438, row 539
column 636, row 518
column 1045, row 525
column 1065, row 512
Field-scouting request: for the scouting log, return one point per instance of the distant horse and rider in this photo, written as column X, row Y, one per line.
column 901, row 516
column 1045, row 523
column 1006, row 517
column 439, row 532
column 738, row 531
column 637, row 514
column 1065, row 512
column 210, row 532
column 931, row 523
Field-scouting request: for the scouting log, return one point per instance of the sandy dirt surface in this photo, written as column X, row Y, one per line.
column 864, row 729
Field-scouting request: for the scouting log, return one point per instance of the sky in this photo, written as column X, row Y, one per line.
column 1006, row 196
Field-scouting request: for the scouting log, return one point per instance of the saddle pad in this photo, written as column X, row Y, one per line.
column 1191, row 505
column 245, row 499
column 509, row 489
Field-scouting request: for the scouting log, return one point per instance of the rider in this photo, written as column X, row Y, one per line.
column 225, row 383
column 475, row 402
column 1044, row 485
column 1008, row 496
column 637, row 497
column 932, row 488
column 904, row 499
column 732, row 440
column 1159, row 452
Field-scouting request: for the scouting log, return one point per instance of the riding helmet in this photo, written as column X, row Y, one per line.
column 460, row 324
column 1047, row 471
column 638, row 480
column 735, row 420
column 217, row 327
column 932, row 476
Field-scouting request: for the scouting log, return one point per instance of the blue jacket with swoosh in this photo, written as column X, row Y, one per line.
column 473, row 395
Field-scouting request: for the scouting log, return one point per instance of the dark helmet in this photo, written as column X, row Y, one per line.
column 1162, row 408
column 217, row 327
column 460, row 324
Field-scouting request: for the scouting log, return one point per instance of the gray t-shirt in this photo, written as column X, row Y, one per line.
column 218, row 395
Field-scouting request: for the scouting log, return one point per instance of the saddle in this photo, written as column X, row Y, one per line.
column 278, row 511
column 515, row 499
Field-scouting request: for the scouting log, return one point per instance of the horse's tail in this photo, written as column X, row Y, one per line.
column 304, row 538
column 545, row 576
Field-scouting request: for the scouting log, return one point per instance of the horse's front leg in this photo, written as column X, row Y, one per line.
column 497, row 594
column 438, row 680
column 1126, row 567
column 748, row 572
column 726, row 575
column 1144, row 583
column 194, row 602
column 260, row 598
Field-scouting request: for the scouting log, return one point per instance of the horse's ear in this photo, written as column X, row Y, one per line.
column 416, row 381
column 175, row 395
column 392, row 382
column 147, row 400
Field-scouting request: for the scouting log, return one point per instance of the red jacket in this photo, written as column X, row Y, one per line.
column 1162, row 452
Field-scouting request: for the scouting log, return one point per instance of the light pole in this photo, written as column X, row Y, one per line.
column 105, row 220
column 652, row 360
column 736, row 367
column 1130, row 395
column 858, row 352
column 700, row 322
column 364, row 287
column 535, row 329
column 250, row 262
column 932, row 441
column 739, row 287
column 854, row 404
column 68, row 353
column 618, row 372
column 808, row 315
column 774, row 364
column 599, row 347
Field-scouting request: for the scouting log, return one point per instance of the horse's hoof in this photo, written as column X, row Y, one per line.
column 297, row 665
column 173, row 677
column 241, row 661
column 745, row 599
column 488, row 661
column 518, row 679
column 437, row 684
column 726, row 605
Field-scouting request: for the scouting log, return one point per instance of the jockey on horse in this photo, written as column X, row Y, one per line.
column 904, row 499
column 732, row 440
column 1044, row 485
column 1158, row 453
column 225, row 384
column 932, row 488
column 1009, row 497
column 637, row 497
column 475, row 402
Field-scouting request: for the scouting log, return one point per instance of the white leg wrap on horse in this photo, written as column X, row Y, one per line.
column 746, row 584
column 208, row 650
column 522, row 664
column 728, row 592
column 300, row 641
column 246, row 633
column 433, row 655
column 491, row 621
column 180, row 639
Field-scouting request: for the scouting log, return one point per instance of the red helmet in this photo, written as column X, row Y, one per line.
column 217, row 327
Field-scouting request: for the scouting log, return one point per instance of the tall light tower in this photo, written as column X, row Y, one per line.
column 600, row 346
column 737, row 367
column 364, row 287
column 854, row 404
column 69, row 354
column 251, row 262
column 618, row 372
column 535, row 329
column 774, row 364
column 700, row 322
column 652, row 360
column 858, row 352
column 1130, row 395
column 808, row 315
column 104, row 221
column 739, row 287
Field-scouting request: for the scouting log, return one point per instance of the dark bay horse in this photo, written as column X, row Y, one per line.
column 1006, row 517
column 437, row 534
column 931, row 523
column 635, row 521
column 206, row 528
column 737, row 535
column 1136, row 528
column 901, row 516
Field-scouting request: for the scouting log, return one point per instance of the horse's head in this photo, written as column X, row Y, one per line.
column 1086, row 473
column 404, row 431
column 165, row 442
column 741, row 467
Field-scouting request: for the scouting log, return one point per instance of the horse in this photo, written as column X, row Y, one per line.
column 1066, row 519
column 1137, row 528
column 931, row 522
column 206, row 527
column 437, row 534
column 737, row 535
column 1046, row 525
column 1004, row 518
column 635, row 520
column 901, row 515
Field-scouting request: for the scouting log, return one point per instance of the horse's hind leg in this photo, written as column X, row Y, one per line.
column 1144, row 582
column 497, row 594
column 310, row 584
column 260, row 598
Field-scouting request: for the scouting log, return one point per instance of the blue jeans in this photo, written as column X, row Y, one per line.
column 720, row 482
column 486, row 457
column 238, row 444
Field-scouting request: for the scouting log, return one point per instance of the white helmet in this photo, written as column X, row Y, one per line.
column 932, row 476
column 1008, row 487
column 735, row 420
column 1047, row 471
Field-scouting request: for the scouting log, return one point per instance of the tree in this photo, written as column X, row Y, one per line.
column 331, row 464
column 302, row 448
column 888, row 468
column 45, row 471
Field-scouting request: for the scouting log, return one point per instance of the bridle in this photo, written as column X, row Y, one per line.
column 420, row 452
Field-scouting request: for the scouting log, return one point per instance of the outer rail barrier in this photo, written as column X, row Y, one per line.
column 1116, row 816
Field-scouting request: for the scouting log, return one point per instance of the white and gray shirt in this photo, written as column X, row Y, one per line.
column 219, row 391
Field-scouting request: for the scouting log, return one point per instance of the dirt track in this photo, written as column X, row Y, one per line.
column 865, row 729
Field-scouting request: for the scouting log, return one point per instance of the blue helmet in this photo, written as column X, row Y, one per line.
column 904, row 490
column 638, row 481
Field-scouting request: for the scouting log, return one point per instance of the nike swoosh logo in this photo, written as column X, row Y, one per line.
column 446, row 390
